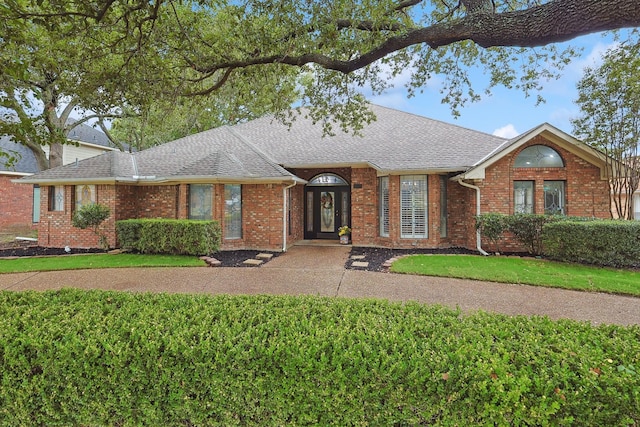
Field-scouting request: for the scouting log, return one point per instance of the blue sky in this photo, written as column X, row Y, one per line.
column 507, row 112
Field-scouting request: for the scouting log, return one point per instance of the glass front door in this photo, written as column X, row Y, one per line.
column 327, row 208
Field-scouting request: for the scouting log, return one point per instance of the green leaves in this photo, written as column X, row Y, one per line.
column 105, row 358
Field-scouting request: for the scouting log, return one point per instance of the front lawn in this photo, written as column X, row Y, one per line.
column 76, row 262
column 527, row 271
column 130, row 359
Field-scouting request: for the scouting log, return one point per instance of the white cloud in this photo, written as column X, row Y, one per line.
column 508, row 131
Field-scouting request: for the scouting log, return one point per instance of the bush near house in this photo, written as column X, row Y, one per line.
column 92, row 216
column 106, row 358
column 611, row 243
column 527, row 229
column 169, row 236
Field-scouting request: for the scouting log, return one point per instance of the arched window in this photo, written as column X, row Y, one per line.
column 327, row 179
column 539, row 156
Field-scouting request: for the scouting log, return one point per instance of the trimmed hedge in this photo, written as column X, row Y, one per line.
column 611, row 243
column 169, row 236
column 106, row 358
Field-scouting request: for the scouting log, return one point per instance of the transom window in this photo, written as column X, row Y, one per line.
column 539, row 156
column 327, row 179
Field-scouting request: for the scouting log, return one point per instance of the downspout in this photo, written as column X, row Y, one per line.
column 478, row 238
column 284, row 215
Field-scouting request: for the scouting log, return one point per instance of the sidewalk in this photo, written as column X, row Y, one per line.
column 319, row 270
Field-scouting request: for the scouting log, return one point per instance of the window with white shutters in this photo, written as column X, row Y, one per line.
column 413, row 206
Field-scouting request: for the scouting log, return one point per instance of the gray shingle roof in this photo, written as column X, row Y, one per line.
column 395, row 141
column 90, row 135
column 27, row 161
column 258, row 150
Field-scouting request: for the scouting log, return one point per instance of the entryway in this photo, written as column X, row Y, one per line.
column 327, row 206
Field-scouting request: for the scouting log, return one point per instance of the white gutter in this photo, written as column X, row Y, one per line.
column 478, row 238
column 284, row 215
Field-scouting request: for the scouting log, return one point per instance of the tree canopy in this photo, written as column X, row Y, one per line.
column 609, row 100
column 139, row 51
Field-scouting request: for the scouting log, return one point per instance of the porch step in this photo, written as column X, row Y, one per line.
column 387, row 263
column 362, row 264
column 211, row 262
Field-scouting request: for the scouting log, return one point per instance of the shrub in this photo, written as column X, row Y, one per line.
column 612, row 243
column 91, row 216
column 106, row 358
column 527, row 229
column 169, row 236
column 492, row 226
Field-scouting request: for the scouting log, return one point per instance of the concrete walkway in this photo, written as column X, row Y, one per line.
column 319, row 270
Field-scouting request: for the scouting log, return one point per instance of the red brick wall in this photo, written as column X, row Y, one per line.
column 586, row 194
column 16, row 204
column 55, row 229
column 262, row 206
column 365, row 218
column 462, row 211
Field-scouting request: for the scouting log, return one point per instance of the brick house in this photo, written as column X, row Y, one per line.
column 19, row 204
column 406, row 182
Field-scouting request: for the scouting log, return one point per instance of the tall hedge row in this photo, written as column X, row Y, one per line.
column 107, row 358
column 610, row 243
column 607, row 243
column 169, row 236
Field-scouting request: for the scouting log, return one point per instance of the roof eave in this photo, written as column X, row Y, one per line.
column 67, row 181
column 428, row 171
column 325, row 165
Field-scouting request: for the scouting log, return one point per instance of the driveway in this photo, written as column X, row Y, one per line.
column 319, row 270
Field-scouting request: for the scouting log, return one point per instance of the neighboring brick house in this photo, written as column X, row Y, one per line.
column 407, row 182
column 19, row 204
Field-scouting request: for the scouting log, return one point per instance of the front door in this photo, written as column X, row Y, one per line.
column 327, row 208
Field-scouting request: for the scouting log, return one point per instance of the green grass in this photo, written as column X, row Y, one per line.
column 522, row 271
column 77, row 262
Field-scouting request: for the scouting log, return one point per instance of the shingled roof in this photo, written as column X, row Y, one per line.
column 260, row 150
column 396, row 141
column 26, row 161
